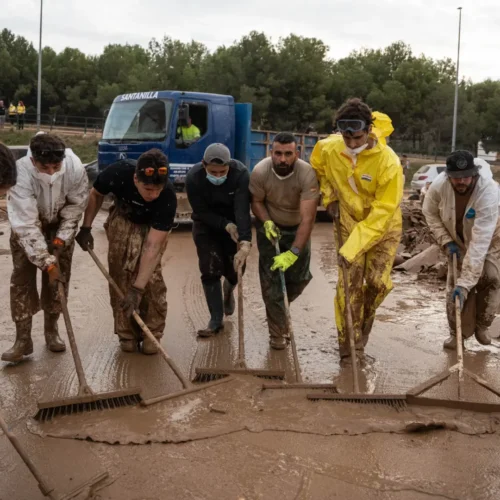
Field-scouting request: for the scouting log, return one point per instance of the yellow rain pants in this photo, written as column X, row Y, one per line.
column 369, row 190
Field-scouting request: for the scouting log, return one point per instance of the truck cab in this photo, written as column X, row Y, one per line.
column 142, row 121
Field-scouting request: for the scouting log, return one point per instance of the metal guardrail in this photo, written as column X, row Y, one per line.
column 81, row 124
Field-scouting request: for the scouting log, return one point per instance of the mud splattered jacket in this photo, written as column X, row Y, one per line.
column 38, row 200
column 481, row 225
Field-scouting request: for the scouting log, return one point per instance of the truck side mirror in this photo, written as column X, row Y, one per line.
column 106, row 113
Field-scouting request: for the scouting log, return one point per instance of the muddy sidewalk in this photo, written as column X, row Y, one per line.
column 236, row 442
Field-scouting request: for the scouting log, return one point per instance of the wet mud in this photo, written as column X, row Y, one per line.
column 235, row 441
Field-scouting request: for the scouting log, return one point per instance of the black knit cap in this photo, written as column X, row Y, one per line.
column 461, row 164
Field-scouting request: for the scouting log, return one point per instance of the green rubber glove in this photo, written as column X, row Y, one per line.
column 272, row 232
column 284, row 261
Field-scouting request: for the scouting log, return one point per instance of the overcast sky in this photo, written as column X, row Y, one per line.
column 429, row 26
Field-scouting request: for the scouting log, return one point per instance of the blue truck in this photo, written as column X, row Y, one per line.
column 140, row 121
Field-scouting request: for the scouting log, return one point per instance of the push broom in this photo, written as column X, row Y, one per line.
column 299, row 384
column 188, row 388
column 86, row 399
column 240, row 368
column 46, row 489
column 415, row 395
column 394, row 400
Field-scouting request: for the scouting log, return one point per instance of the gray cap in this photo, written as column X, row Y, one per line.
column 217, row 153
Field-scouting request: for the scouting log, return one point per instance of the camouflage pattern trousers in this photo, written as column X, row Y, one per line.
column 24, row 299
column 297, row 278
column 126, row 240
column 369, row 281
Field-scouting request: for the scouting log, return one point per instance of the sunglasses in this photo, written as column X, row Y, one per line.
column 52, row 153
column 351, row 125
column 150, row 171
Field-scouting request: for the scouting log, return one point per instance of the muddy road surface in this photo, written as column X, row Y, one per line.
column 236, row 441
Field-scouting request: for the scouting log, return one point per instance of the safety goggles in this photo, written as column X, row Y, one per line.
column 351, row 125
column 50, row 155
column 150, row 171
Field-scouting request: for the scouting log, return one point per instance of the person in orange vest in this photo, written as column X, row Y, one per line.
column 21, row 112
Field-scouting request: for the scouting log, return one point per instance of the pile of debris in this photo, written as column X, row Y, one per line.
column 417, row 236
column 419, row 252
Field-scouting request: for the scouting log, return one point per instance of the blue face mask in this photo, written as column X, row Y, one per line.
column 216, row 181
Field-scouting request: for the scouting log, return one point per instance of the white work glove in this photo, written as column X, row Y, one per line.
column 233, row 231
column 242, row 254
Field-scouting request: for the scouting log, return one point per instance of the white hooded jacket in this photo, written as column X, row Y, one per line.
column 40, row 199
column 481, row 228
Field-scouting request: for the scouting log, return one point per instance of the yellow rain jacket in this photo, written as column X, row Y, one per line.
column 21, row 110
column 369, row 191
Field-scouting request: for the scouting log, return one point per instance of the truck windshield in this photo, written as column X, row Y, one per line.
column 140, row 120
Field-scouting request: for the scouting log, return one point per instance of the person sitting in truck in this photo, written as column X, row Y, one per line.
column 189, row 132
column 217, row 190
column 137, row 228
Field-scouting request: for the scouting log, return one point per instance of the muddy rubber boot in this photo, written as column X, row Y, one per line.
column 278, row 343
column 23, row 344
column 213, row 294
column 128, row 345
column 451, row 343
column 149, row 347
column 229, row 304
column 482, row 336
column 52, row 339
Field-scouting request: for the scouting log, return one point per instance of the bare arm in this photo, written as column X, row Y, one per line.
column 155, row 242
column 94, row 205
column 259, row 210
column 308, row 216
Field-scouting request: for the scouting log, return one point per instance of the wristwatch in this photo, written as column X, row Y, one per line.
column 295, row 251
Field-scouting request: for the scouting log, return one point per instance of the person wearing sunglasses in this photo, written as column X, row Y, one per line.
column 44, row 209
column 357, row 169
column 218, row 193
column 137, row 228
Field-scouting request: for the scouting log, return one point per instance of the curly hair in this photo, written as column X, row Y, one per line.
column 8, row 171
column 154, row 158
column 42, row 145
column 354, row 109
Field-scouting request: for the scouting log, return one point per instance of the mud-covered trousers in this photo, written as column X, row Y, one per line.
column 216, row 251
column 125, row 241
column 482, row 301
column 297, row 277
column 24, row 299
column 369, row 283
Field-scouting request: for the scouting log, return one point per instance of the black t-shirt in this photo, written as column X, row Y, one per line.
column 118, row 179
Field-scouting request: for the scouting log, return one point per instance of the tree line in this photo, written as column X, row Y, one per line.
column 292, row 84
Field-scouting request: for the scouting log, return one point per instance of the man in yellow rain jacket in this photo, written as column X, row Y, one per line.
column 358, row 169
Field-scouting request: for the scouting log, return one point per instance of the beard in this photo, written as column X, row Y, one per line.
column 283, row 169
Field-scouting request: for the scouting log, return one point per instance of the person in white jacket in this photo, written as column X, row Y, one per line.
column 461, row 210
column 44, row 209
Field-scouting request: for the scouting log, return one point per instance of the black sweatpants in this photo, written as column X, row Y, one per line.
column 216, row 251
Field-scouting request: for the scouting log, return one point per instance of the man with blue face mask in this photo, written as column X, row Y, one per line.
column 218, row 192
column 44, row 208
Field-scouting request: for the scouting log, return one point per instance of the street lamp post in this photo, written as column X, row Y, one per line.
column 39, row 89
column 455, row 109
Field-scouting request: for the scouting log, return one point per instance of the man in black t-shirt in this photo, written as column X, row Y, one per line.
column 138, row 226
column 217, row 190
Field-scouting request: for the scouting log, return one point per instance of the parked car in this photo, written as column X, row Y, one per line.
column 426, row 174
column 91, row 168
